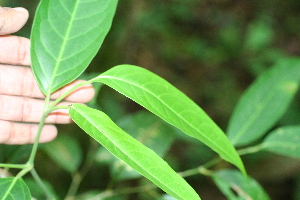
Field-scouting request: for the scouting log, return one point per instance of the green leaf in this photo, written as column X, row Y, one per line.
column 66, row 35
column 65, row 151
column 244, row 188
column 170, row 104
column 148, row 129
column 284, row 141
column 264, row 102
column 99, row 126
column 151, row 131
column 13, row 189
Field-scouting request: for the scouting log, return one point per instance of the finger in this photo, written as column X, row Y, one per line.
column 12, row 19
column 19, row 80
column 23, row 109
column 17, row 133
column 14, row 50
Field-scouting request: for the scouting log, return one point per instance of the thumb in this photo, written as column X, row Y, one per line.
column 12, row 19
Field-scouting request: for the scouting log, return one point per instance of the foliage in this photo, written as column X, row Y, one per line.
column 132, row 138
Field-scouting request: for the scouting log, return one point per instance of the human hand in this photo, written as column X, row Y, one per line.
column 20, row 96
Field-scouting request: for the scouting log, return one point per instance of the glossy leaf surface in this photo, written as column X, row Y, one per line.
column 264, row 102
column 284, row 141
column 67, row 154
column 171, row 105
column 235, row 186
column 99, row 126
column 66, row 35
column 13, row 189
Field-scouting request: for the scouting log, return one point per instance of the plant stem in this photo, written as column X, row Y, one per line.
column 69, row 92
column 15, row 166
column 36, row 142
column 249, row 150
column 78, row 176
column 110, row 193
column 203, row 169
column 41, row 184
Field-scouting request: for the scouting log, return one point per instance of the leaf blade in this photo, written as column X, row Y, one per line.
column 99, row 126
column 264, row 102
column 245, row 188
column 170, row 104
column 63, row 30
column 14, row 188
column 284, row 141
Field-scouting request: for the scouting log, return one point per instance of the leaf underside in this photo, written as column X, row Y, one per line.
column 66, row 35
column 13, row 188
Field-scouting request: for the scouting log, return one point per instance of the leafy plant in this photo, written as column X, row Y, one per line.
column 78, row 35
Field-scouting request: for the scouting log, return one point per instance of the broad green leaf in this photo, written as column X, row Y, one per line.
column 65, row 37
column 235, row 186
column 99, row 126
column 264, row 102
column 148, row 129
column 151, row 131
column 65, row 151
column 284, row 141
column 170, row 104
column 13, row 189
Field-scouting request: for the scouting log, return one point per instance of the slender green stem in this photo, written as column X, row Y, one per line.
column 212, row 162
column 250, row 150
column 203, row 169
column 78, row 176
column 37, row 138
column 41, row 184
column 15, row 166
column 110, row 193
column 69, row 92
column 46, row 112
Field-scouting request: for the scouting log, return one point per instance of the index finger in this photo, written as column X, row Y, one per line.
column 12, row 19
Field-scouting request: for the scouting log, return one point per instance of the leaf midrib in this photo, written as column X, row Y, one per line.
column 62, row 50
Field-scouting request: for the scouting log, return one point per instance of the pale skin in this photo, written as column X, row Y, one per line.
column 20, row 97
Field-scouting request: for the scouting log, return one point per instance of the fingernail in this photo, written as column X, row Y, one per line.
column 20, row 9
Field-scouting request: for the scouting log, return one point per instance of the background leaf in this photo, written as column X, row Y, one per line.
column 284, row 141
column 12, row 189
column 65, row 151
column 244, row 188
column 65, row 37
column 264, row 102
column 99, row 126
column 170, row 104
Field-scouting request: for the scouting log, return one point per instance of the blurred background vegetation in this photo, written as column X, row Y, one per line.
column 209, row 49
